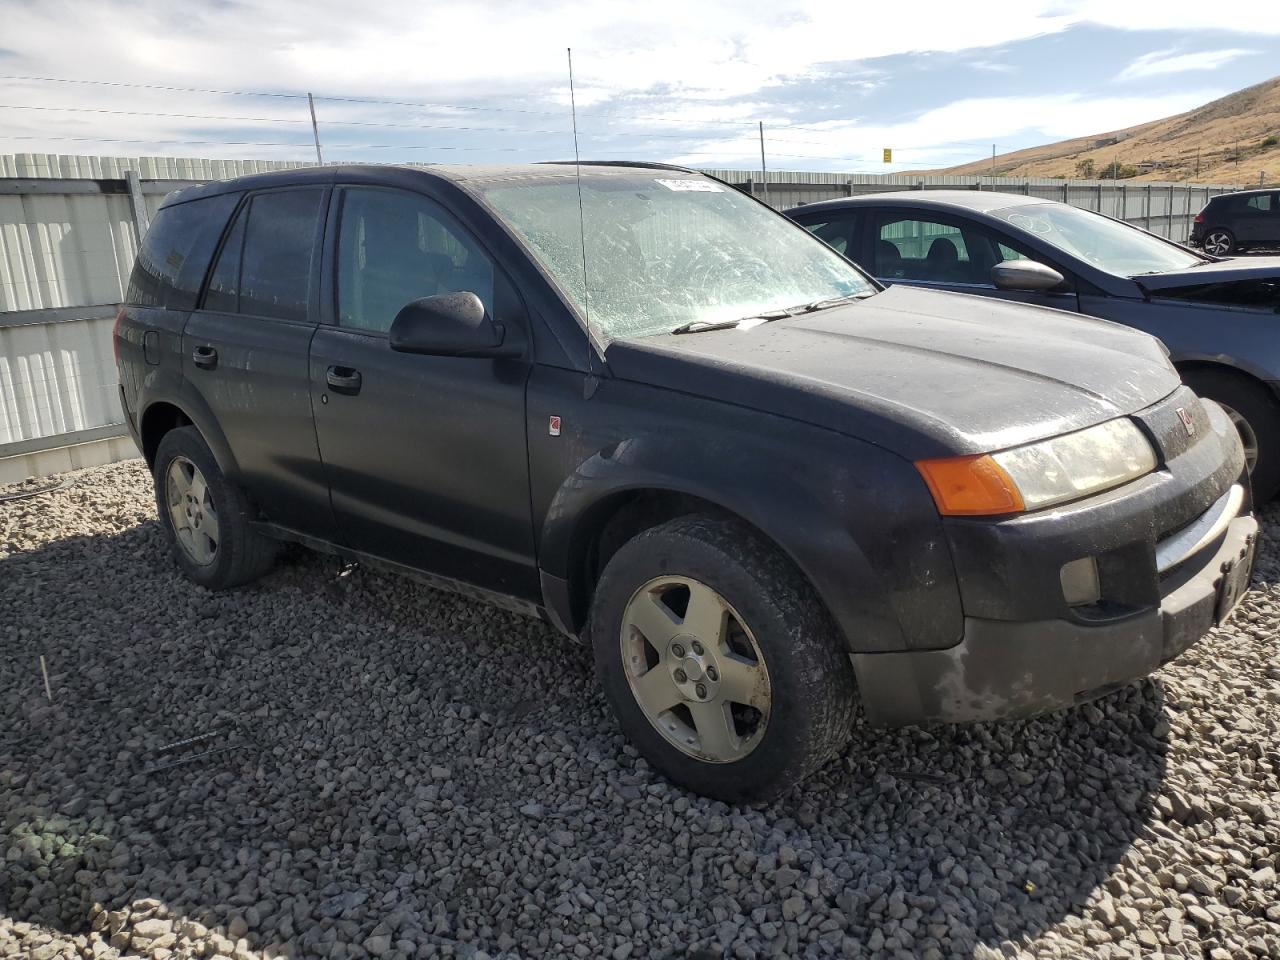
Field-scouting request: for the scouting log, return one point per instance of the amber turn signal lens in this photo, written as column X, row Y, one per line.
column 970, row 486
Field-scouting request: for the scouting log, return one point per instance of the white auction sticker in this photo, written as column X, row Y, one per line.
column 695, row 186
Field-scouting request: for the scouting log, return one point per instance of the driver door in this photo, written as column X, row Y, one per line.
column 425, row 456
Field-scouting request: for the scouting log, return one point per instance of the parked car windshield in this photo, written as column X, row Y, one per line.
column 665, row 249
column 1110, row 245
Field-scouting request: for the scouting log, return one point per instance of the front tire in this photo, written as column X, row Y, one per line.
column 206, row 518
column 1256, row 415
column 720, row 663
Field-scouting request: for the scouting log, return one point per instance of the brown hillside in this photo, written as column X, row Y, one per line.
column 1225, row 141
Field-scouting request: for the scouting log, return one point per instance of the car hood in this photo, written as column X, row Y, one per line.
column 1224, row 271
column 919, row 372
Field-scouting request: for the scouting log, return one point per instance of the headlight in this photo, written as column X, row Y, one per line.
column 1039, row 475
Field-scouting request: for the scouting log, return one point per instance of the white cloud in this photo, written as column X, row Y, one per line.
column 1170, row 61
column 958, row 132
column 719, row 60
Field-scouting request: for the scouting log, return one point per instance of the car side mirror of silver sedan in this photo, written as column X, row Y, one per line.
column 1027, row 275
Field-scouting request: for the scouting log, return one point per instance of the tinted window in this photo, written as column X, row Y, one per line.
column 919, row 249
column 1261, row 202
column 835, row 233
column 275, row 267
column 223, row 293
column 397, row 247
column 175, row 252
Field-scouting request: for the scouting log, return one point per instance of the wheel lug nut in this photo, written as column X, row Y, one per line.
column 681, row 676
column 712, row 674
column 697, row 648
column 677, row 650
column 700, row 690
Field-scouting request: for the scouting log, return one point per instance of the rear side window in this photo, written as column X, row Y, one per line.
column 265, row 265
column 275, row 271
column 835, row 232
column 1261, row 202
column 176, row 251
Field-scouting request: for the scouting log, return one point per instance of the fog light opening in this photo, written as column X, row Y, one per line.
column 1080, row 582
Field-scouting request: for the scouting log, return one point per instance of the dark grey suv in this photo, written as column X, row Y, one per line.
column 761, row 488
column 1216, row 316
column 1236, row 222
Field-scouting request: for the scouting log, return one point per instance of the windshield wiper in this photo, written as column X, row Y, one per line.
column 830, row 302
column 702, row 326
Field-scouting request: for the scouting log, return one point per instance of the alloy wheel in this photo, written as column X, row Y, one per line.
column 192, row 511
column 695, row 669
column 1218, row 243
column 1248, row 436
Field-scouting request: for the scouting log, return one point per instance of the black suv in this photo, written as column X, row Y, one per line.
column 649, row 409
column 1235, row 222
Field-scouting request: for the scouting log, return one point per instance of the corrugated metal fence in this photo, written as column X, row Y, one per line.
column 1163, row 208
column 69, row 229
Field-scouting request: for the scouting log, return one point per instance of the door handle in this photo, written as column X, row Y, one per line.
column 204, row 357
column 343, row 380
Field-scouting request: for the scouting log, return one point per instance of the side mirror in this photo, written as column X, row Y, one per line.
column 448, row 325
column 1026, row 275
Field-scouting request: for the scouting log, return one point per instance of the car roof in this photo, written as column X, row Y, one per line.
column 981, row 201
column 1242, row 193
column 402, row 175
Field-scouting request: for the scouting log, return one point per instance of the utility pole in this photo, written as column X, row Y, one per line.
column 315, row 129
column 764, row 173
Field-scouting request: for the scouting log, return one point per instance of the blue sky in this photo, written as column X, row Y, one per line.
column 486, row 80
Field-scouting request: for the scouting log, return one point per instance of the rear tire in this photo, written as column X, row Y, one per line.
column 753, row 652
column 1219, row 242
column 1256, row 414
column 206, row 518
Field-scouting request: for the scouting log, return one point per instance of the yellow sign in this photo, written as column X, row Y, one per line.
column 888, row 155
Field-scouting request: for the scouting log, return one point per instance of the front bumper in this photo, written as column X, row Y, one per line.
column 1010, row 668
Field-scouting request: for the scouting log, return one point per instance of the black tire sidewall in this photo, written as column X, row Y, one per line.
column 786, row 624
column 233, row 532
column 1251, row 401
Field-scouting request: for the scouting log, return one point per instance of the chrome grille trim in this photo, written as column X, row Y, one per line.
column 1201, row 531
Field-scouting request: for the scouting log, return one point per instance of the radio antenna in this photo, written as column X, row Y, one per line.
column 582, row 220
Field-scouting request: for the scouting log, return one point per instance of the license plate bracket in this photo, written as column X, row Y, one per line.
column 1235, row 581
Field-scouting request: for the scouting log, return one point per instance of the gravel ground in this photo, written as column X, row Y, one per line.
column 408, row 773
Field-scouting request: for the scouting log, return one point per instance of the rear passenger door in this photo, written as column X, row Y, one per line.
column 426, row 456
column 245, row 350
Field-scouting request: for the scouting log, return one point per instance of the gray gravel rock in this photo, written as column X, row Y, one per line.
column 390, row 771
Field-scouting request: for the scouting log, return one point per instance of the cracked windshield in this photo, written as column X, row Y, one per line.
column 664, row 250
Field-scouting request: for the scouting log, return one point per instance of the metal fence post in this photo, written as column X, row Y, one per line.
column 1146, row 213
column 1066, row 190
column 1169, row 232
column 137, row 204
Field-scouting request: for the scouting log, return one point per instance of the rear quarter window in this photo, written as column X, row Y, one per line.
column 176, row 251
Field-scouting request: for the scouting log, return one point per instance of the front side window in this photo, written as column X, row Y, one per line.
column 1110, row 245
column 175, row 252
column 922, row 249
column 275, row 264
column 396, row 247
column 663, row 249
